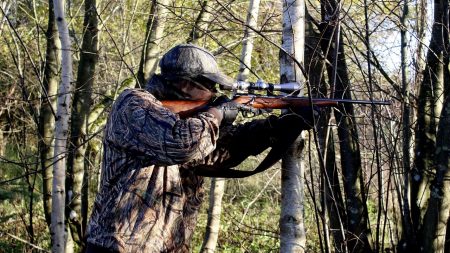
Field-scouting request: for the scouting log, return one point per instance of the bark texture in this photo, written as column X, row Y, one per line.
column 430, row 102
column 82, row 103
column 292, row 230
column 214, row 212
column 48, row 108
column 64, row 103
column 153, row 36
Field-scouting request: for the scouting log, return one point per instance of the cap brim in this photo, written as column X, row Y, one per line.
column 220, row 79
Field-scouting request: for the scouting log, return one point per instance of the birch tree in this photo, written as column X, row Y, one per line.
column 151, row 48
column 218, row 184
column 47, row 113
column 292, row 230
column 64, row 103
column 211, row 236
column 247, row 41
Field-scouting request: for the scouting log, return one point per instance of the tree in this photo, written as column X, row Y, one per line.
column 200, row 26
column 64, row 103
column 247, row 42
column 153, row 36
column 218, row 184
column 82, row 103
column 435, row 221
column 331, row 199
column 47, row 113
column 211, row 236
column 292, row 230
column 432, row 135
column 430, row 101
column 356, row 210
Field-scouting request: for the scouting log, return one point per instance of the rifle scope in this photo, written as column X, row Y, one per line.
column 261, row 85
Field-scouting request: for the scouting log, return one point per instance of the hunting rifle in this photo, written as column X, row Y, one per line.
column 186, row 108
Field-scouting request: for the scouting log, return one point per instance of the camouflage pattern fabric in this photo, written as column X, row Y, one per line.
column 149, row 195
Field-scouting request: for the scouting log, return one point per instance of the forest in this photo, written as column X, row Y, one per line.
column 365, row 178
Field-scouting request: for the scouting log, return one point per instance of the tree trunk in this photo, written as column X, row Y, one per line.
column 247, row 42
column 200, row 26
column 218, row 184
column 153, row 36
column 292, row 230
column 358, row 236
column 429, row 108
column 5, row 5
column 82, row 102
column 47, row 113
column 436, row 216
column 432, row 150
column 332, row 200
column 64, row 104
column 215, row 210
column 408, row 233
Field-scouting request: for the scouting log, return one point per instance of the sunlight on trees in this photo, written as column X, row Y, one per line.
column 375, row 178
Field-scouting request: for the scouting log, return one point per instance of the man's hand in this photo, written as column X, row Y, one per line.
column 227, row 108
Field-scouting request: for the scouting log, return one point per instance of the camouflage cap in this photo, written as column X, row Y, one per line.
column 191, row 61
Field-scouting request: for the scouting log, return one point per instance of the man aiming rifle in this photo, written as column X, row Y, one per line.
column 154, row 160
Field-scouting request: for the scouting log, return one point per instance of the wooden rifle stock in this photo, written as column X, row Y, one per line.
column 187, row 108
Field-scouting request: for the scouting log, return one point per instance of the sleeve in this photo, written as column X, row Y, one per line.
column 237, row 143
column 139, row 124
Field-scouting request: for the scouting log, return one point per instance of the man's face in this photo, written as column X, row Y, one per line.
column 194, row 90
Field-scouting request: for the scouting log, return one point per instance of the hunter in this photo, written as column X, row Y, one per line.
column 151, row 185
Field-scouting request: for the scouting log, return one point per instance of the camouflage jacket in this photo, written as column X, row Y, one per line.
column 149, row 194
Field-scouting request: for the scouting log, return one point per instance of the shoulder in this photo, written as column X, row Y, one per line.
column 130, row 95
column 140, row 105
column 135, row 98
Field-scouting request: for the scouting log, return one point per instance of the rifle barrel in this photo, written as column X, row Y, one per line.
column 350, row 101
column 279, row 102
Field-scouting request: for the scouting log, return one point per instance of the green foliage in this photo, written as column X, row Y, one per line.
column 258, row 231
column 121, row 31
column 250, row 214
column 15, row 202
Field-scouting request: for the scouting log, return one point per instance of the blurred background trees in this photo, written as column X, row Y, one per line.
column 375, row 179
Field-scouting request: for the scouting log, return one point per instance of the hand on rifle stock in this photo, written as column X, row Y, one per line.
column 230, row 109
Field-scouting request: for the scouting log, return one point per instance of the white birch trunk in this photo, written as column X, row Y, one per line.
column 64, row 103
column 247, row 42
column 218, row 184
column 292, row 230
column 214, row 212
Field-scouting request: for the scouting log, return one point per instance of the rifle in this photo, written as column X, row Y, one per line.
column 186, row 108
